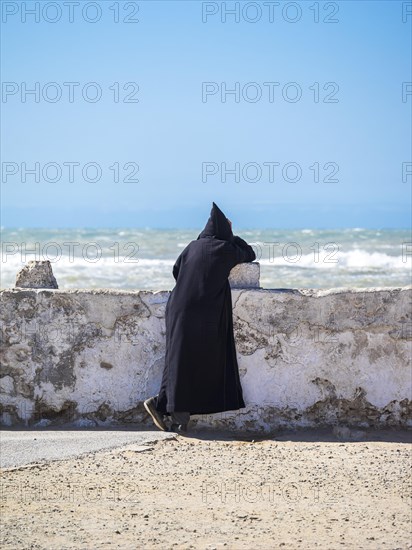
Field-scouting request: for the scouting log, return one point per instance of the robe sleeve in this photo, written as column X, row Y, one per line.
column 176, row 267
column 244, row 252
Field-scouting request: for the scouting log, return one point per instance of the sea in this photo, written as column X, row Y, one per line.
column 134, row 259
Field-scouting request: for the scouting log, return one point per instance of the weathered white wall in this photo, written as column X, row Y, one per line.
column 306, row 358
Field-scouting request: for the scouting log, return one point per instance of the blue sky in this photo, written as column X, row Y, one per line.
column 176, row 138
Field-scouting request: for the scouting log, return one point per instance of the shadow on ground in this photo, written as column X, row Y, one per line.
column 336, row 434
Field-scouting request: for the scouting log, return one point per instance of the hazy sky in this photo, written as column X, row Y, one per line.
column 286, row 114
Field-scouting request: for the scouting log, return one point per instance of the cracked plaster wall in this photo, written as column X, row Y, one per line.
column 306, row 357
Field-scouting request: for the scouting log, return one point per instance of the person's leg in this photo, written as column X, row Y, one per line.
column 180, row 420
column 180, row 417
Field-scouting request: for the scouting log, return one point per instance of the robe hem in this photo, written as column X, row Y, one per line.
column 213, row 410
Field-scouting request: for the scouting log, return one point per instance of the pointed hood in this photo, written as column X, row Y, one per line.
column 217, row 226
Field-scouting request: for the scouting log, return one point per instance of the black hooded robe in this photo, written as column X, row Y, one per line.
column 201, row 374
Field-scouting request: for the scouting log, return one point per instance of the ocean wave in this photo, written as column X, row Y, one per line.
column 145, row 257
column 355, row 259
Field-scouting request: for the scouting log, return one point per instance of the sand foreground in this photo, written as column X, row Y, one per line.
column 212, row 490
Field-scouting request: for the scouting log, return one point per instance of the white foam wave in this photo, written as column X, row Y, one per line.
column 355, row 259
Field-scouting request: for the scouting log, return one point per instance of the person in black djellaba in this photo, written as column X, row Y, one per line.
column 201, row 374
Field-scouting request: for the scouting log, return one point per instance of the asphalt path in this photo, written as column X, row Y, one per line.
column 22, row 447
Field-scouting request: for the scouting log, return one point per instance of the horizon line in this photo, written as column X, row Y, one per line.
column 192, row 228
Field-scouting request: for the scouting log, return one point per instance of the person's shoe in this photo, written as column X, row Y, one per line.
column 178, row 428
column 157, row 417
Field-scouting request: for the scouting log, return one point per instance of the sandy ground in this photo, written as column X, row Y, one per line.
column 213, row 490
